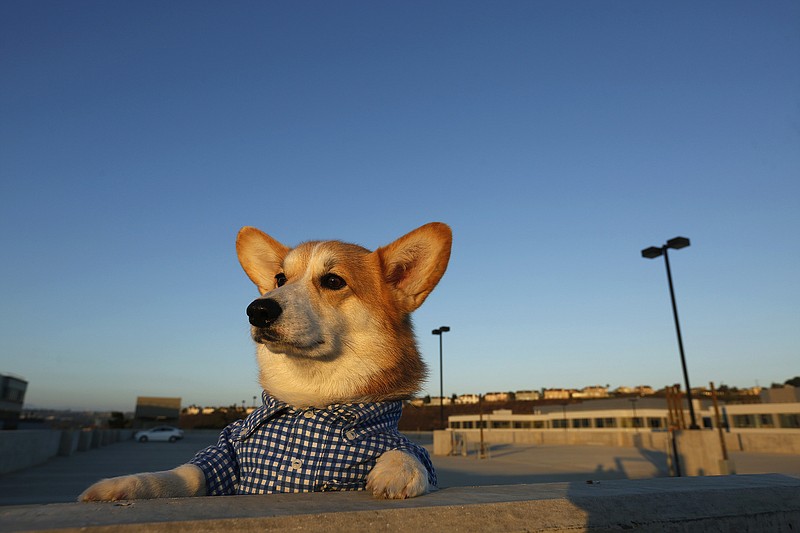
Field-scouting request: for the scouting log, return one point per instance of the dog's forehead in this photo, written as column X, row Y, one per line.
column 324, row 255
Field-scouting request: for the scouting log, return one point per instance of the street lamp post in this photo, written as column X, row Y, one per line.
column 651, row 253
column 439, row 332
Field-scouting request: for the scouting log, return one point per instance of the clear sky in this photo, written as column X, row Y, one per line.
column 557, row 139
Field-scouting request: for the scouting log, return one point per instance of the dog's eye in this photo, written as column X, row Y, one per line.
column 333, row 282
column 280, row 279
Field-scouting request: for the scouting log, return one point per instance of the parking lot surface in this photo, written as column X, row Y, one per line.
column 62, row 479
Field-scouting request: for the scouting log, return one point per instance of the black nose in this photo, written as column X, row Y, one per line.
column 263, row 312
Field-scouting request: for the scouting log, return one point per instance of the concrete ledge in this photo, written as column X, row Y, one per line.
column 725, row 503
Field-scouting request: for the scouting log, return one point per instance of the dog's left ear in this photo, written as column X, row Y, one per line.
column 261, row 257
column 413, row 264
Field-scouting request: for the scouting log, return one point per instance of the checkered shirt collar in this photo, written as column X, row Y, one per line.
column 362, row 416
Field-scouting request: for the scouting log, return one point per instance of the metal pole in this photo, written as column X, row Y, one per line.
column 482, row 449
column 680, row 342
column 441, row 384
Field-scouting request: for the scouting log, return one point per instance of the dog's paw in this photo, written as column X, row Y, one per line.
column 116, row 488
column 182, row 482
column 397, row 475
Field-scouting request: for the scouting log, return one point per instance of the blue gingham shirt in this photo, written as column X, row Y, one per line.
column 278, row 448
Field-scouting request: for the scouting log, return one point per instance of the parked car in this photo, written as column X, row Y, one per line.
column 160, row 433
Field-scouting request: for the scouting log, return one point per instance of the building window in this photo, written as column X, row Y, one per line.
column 559, row 423
column 791, row 420
column 744, row 421
column 655, row 423
column 581, row 423
column 605, row 422
column 766, row 421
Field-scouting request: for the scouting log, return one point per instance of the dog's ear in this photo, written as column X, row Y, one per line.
column 413, row 264
column 260, row 256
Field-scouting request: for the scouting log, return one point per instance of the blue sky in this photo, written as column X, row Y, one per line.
column 557, row 139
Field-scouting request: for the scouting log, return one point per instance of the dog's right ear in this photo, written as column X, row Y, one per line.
column 261, row 257
column 414, row 263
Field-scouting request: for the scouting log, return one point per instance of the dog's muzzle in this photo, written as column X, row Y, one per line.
column 263, row 312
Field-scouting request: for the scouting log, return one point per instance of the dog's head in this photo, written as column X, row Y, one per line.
column 332, row 324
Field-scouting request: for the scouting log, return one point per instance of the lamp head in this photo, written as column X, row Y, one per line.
column 677, row 243
column 652, row 252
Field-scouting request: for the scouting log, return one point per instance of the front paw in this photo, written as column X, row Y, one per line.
column 397, row 475
column 113, row 489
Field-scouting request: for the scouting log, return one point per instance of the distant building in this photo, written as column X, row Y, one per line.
column 591, row 392
column 497, row 396
column 468, row 399
column 557, row 394
column 151, row 411
column 527, row 395
column 641, row 390
column 436, row 400
column 12, row 396
column 785, row 394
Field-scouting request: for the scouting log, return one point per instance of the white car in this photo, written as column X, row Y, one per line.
column 160, row 433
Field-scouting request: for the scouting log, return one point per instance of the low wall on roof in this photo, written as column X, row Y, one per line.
column 21, row 449
column 761, row 440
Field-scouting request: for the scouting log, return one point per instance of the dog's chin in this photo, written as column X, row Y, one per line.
column 265, row 336
column 311, row 349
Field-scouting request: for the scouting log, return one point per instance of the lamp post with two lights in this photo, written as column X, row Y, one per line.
column 651, row 253
column 439, row 331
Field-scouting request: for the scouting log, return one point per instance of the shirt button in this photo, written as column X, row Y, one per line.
column 351, row 435
column 308, row 414
column 296, row 464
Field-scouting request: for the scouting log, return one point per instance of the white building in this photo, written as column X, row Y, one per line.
column 527, row 395
column 642, row 414
column 468, row 399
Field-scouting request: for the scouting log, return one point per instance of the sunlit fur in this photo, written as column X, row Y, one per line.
column 350, row 345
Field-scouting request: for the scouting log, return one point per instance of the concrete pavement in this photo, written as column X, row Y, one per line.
column 63, row 478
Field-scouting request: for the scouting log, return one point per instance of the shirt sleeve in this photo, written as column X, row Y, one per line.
column 219, row 463
column 420, row 453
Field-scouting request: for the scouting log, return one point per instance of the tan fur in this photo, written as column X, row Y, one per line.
column 350, row 345
column 357, row 343
column 182, row 482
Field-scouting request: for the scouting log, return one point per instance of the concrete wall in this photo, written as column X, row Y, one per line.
column 721, row 503
column 20, row 449
column 24, row 448
column 763, row 441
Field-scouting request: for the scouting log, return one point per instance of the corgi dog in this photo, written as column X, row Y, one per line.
column 336, row 356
